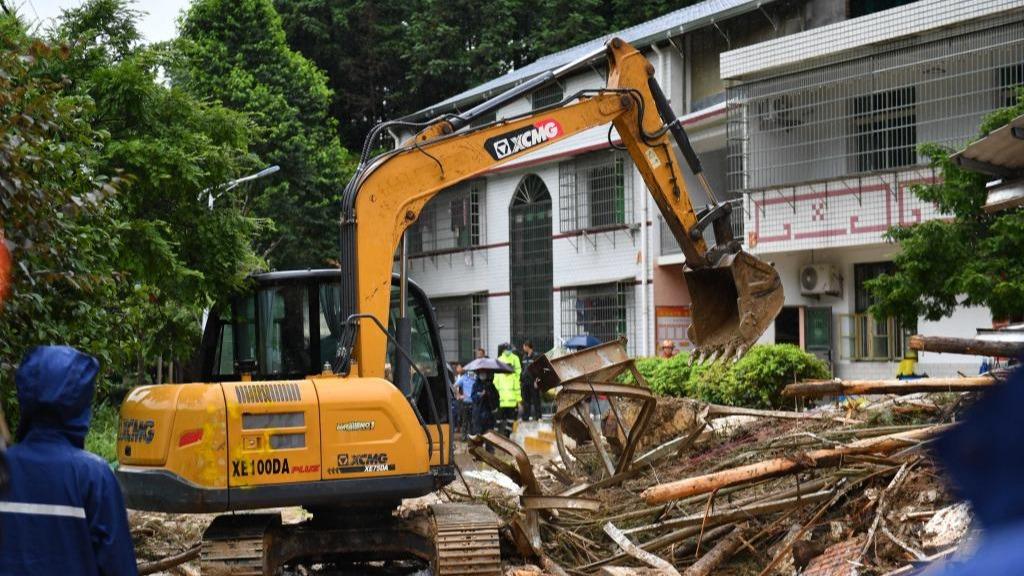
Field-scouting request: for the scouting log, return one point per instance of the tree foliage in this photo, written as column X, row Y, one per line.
column 970, row 258
column 234, row 51
column 386, row 60
column 103, row 170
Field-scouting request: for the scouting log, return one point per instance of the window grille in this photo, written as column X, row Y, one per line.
column 546, row 96
column 461, row 325
column 451, row 221
column 867, row 113
column 885, row 131
column 667, row 240
column 862, row 337
column 604, row 311
column 595, row 191
column 530, row 264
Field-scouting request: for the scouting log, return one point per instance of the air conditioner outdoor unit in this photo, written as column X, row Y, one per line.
column 820, row 279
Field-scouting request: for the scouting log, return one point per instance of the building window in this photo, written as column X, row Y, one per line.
column 604, row 311
column 461, row 325
column 1010, row 80
column 451, row 221
column 863, row 337
column 885, row 130
column 667, row 240
column 595, row 191
column 546, row 96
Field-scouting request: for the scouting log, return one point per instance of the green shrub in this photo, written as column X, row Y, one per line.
column 755, row 381
column 647, row 366
column 102, row 438
column 760, row 376
column 671, row 376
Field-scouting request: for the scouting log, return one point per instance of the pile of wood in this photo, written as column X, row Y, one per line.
column 848, row 488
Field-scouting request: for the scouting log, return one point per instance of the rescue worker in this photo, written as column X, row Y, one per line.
column 529, row 384
column 509, row 392
column 63, row 512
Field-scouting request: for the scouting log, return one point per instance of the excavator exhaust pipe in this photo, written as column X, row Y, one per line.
column 733, row 302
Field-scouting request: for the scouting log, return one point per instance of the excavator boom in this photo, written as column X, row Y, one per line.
column 734, row 295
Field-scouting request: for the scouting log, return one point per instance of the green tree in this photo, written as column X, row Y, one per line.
column 360, row 44
column 970, row 258
column 178, row 254
column 57, row 214
column 235, row 51
column 386, row 60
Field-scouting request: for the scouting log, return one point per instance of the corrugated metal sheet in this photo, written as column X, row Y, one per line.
column 1000, row 151
column 663, row 27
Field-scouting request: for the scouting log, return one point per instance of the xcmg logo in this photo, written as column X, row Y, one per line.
column 509, row 143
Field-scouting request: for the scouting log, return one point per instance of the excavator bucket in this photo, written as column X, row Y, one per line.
column 733, row 302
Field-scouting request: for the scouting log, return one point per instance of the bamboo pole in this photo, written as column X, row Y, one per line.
column 971, row 346
column 715, row 410
column 722, row 551
column 840, row 387
column 781, row 466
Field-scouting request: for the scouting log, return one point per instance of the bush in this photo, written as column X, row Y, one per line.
column 102, row 438
column 755, row 381
column 647, row 366
column 671, row 376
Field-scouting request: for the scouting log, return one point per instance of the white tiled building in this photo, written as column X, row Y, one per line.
column 806, row 112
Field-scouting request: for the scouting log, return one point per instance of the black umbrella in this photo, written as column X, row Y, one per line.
column 489, row 365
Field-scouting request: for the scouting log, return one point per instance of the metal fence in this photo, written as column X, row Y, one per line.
column 604, row 311
column 451, row 221
column 595, row 191
column 870, row 113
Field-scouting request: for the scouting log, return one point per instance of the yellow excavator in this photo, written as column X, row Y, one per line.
column 294, row 404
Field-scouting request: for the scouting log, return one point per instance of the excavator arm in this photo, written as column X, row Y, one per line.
column 735, row 296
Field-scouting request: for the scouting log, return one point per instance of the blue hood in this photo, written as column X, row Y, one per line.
column 55, row 389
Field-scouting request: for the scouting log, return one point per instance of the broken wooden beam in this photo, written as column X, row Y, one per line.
column 971, row 346
column 724, row 550
column 781, row 466
column 846, row 387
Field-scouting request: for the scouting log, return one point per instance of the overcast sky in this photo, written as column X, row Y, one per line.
column 158, row 23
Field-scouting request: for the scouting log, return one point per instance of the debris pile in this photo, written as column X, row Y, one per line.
column 663, row 486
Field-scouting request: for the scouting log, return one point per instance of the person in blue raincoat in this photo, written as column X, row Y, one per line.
column 62, row 513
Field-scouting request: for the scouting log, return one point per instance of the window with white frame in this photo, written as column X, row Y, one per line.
column 595, row 191
column 451, row 221
column 604, row 311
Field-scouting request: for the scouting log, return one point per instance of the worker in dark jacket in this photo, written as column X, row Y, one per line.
column 63, row 513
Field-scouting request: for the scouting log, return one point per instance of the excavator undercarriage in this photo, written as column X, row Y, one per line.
column 452, row 539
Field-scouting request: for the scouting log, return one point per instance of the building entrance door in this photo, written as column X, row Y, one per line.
column 530, row 264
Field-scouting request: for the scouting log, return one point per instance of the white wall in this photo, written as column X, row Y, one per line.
column 963, row 322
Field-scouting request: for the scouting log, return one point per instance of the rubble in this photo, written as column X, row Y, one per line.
column 666, row 489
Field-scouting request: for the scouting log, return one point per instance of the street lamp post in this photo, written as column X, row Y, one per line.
column 230, row 184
